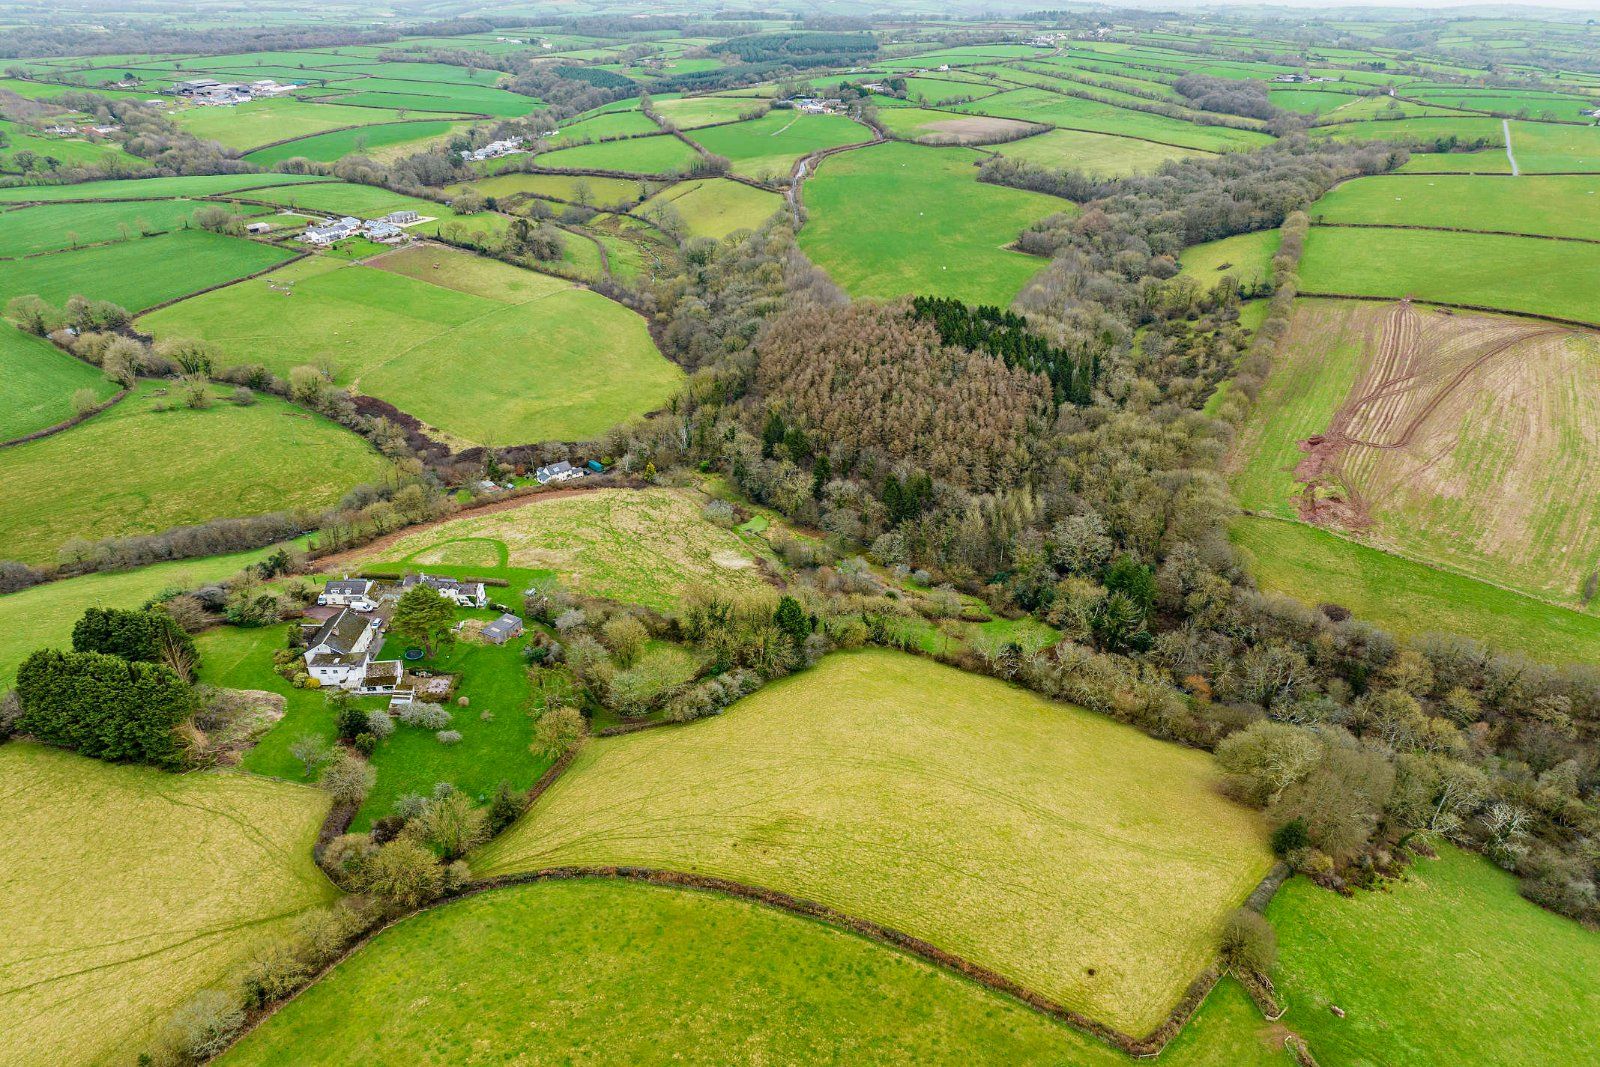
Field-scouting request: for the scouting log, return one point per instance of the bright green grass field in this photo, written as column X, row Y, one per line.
column 328, row 147
column 897, row 219
column 39, row 380
column 662, row 154
column 1409, row 598
column 592, row 972
column 610, row 124
column 571, row 187
column 712, row 207
column 1415, row 130
column 1544, row 148
column 1040, row 105
column 479, row 349
column 264, row 122
column 134, row 470
column 1450, row 966
column 48, row 227
column 1062, row 849
column 1505, row 273
column 141, row 273
column 1099, row 154
column 1246, row 256
column 44, row 615
column 768, row 147
column 129, row 889
column 1552, row 204
column 154, row 188
column 1506, row 101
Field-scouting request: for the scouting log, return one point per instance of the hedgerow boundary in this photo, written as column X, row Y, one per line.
column 67, row 424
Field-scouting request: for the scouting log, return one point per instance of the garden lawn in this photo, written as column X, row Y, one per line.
column 639, row 546
column 128, row 890
column 710, row 207
column 51, row 227
column 1449, row 966
column 366, row 140
column 1066, row 851
column 1246, row 256
column 135, row 470
column 1409, row 598
column 141, row 273
column 39, row 380
column 1518, row 274
column 898, row 219
column 154, row 188
column 616, row 972
column 662, row 154
column 479, row 349
column 264, row 122
column 769, row 147
column 1099, row 154
column 1550, row 205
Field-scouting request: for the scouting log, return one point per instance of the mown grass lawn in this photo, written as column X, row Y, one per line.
column 715, row 207
column 592, row 972
column 1523, row 274
column 482, row 350
column 768, row 147
column 1409, row 598
column 40, row 380
column 141, row 273
column 1100, row 154
column 1064, row 850
column 897, row 219
column 133, row 469
column 1559, row 205
column 129, row 889
column 1449, row 966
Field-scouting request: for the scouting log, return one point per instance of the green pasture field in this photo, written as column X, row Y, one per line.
column 367, row 140
column 938, row 803
column 770, row 146
column 39, row 382
column 687, row 112
column 139, row 274
column 935, row 91
column 712, row 207
column 610, row 124
column 450, row 99
column 897, row 219
column 51, row 227
column 1514, row 274
column 153, row 188
column 49, row 90
column 1450, row 965
column 1544, row 148
column 1039, row 105
column 1309, row 101
column 1550, row 204
column 68, row 151
column 1390, row 108
column 1533, row 105
column 130, row 889
column 44, row 614
column 636, row 546
column 263, row 122
column 662, row 154
column 612, row 972
column 1102, row 155
column 1246, row 256
column 479, row 349
column 934, row 127
column 443, row 73
column 1467, row 128
column 1409, row 598
column 1483, row 161
column 575, row 188
column 133, row 469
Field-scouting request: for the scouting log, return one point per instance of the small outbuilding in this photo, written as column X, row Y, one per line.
column 503, row 629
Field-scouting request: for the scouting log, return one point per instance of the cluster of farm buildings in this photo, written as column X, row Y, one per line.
column 387, row 230
column 494, row 150
column 211, row 92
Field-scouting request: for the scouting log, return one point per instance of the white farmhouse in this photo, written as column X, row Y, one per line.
column 343, row 649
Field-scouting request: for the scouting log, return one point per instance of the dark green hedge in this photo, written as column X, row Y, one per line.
column 103, row 706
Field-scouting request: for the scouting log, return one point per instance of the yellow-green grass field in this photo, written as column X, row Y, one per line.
column 576, row 188
column 479, row 349
column 1449, row 966
column 768, row 147
column 1555, row 205
column 39, row 382
column 373, row 141
column 661, row 154
column 897, row 219
column 1103, row 155
column 264, row 122
column 605, row 126
column 1073, row 112
column 714, row 207
column 133, row 469
column 141, row 273
column 1064, row 850
column 44, row 614
column 596, row 972
column 1246, row 256
column 687, row 112
column 154, row 188
column 1406, row 597
column 1475, row 456
column 1466, row 129
column 942, row 127
column 25, row 231
column 640, row 546
column 129, row 889
column 1516, row 274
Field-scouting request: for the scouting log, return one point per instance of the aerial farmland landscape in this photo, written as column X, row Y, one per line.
column 858, row 532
